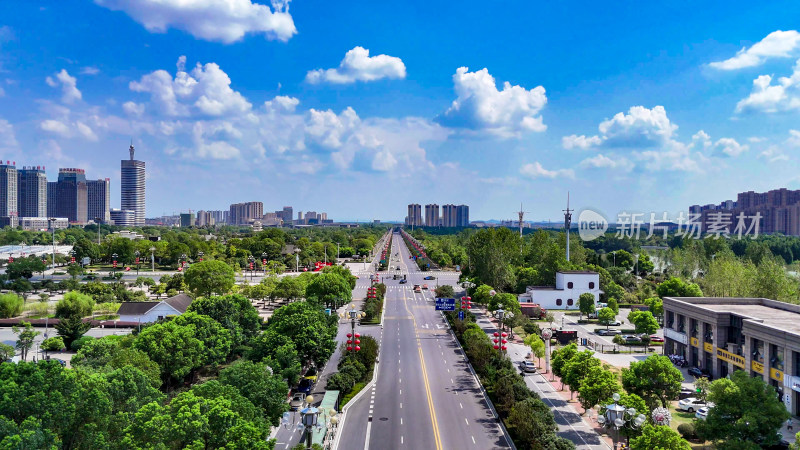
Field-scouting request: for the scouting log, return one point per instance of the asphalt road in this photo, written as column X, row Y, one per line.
column 425, row 396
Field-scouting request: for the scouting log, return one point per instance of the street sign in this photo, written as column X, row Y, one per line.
column 461, row 315
column 445, row 304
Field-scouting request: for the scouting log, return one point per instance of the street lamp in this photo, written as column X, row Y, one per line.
column 137, row 253
column 500, row 313
column 308, row 419
column 264, row 262
column 252, row 264
column 72, row 256
column 152, row 259
column 353, row 338
column 500, row 342
column 297, row 259
column 618, row 416
column 114, row 257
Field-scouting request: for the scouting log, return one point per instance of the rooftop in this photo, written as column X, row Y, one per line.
column 772, row 313
column 579, row 272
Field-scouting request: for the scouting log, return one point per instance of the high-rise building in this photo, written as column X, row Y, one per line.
column 245, row 213
column 204, row 218
column 414, row 215
column 132, row 187
column 187, row 220
column 462, row 216
column 52, row 198
column 32, row 192
column 99, row 200
column 8, row 189
column 219, row 217
column 123, row 217
column 449, row 216
column 72, row 196
column 432, row 215
column 288, row 215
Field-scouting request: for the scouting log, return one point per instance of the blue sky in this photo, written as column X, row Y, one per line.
column 358, row 108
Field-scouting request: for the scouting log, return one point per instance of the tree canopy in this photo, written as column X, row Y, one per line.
column 207, row 278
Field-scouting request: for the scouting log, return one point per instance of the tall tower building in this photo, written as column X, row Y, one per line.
column 32, row 192
column 8, row 189
column 432, row 215
column 288, row 215
column 449, row 216
column 52, row 198
column 72, row 195
column 415, row 215
column 133, row 187
column 462, row 216
column 99, row 199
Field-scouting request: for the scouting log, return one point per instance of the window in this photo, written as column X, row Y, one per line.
column 569, row 285
column 558, row 301
column 569, row 302
column 591, row 285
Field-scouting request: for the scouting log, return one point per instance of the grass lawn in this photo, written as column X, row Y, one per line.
column 679, row 417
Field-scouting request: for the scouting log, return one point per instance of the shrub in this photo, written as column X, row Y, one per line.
column 340, row 382
column 352, row 371
column 532, row 328
column 53, row 344
column 686, row 430
column 362, row 370
column 74, row 304
column 78, row 344
column 10, row 305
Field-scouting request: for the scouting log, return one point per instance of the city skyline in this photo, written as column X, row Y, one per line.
column 703, row 105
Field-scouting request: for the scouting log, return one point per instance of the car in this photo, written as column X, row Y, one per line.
column 686, row 393
column 629, row 338
column 527, row 367
column 615, row 323
column 305, row 386
column 691, row 404
column 425, row 286
column 702, row 413
column 609, row 332
column 429, row 277
column 297, row 401
column 654, row 338
column 403, row 281
column 417, row 288
column 698, row 373
column 398, row 268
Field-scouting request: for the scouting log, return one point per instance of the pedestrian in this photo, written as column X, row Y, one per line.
column 789, row 425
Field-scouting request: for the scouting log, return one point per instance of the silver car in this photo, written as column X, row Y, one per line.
column 527, row 367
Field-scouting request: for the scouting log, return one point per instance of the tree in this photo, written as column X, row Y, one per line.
column 74, row 304
column 702, row 384
column 444, row 291
column 234, row 312
column 206, row 278
column 6, row 352
column 482, row 294
column 75, row 270
column 290, row 288
column 537, row 346
column 258, row 383
column 278, row 352
column 509, row 302
column 586, row 304
column 655, row 379
column 311, row 331
column 25, row 268
column 613, row 304
column 53, row 344
column 217, row 342
column 623, row 259
column 561, row 356
column 330, row 289
column 71, row 329
column 745, row 410
column 25, row 336
column 675, row 287
column 173, row 347
column 577, row 369
column 606, row 316
column 343, row 272
column 659, row 437
column 492, row 253
column 598, row 385
column 10, row 305
column 613, row 290
column 643, row 322
column 530, row 421
column 656, row 306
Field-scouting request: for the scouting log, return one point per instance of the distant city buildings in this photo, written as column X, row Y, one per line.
column 99, row 200
column 132, row 186
column 777, row 211
column 123, row 217
column 72, row 196
column 245, row 213
column 8, row 190
column 32, row 192
column 452, row 216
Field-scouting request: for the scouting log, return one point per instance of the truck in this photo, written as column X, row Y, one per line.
column 533, row 310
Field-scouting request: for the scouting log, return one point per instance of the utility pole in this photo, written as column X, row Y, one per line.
column 567, row 223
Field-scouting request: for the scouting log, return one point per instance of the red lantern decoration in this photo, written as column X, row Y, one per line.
column 496, row 333
column 504, row 334
column 349, row 341
column 504, row 348
column 358, row 348
column 349, row 348
column 496, row 347
column 349, row 335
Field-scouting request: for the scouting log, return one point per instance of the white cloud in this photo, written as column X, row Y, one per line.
column 702, row 139
column 756, row 139
column 212, row 20
column 771, row 98
column 773, row 154
column 601, row 161
column 55, row 127
column 794, row 138
column 480, row 106
column 384, row 161
column 641, row 127
column 582, row 142
column 8, row 139
column 133, row 108
column 206, row 91
column 283, row 103
column 729, row 147
column 778, row 44
column 536, row 170
column 357, row 65
column 90, row 70
column 69, row 86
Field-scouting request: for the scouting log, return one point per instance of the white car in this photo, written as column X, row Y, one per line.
column 692, row 404
column 702, row 413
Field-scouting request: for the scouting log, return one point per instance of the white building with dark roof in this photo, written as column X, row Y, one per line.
column 570, row 284
column 146, row 312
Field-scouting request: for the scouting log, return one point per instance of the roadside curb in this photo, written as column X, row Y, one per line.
column 488, row 401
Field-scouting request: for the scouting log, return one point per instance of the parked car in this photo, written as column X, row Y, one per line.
column 702, row 413
column 429, row 277
column 305, row 386
column 654, row 338
column 615, row 323
column 629, row 338
column 686, row 393
column 698, row 373
column 692, row 404
column 297, row 401
column 609, row 332
column 527, row 366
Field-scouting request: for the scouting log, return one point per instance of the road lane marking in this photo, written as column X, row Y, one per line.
column 459, row 404
column 473, row 439
column 431, row 408
column 467, row 421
